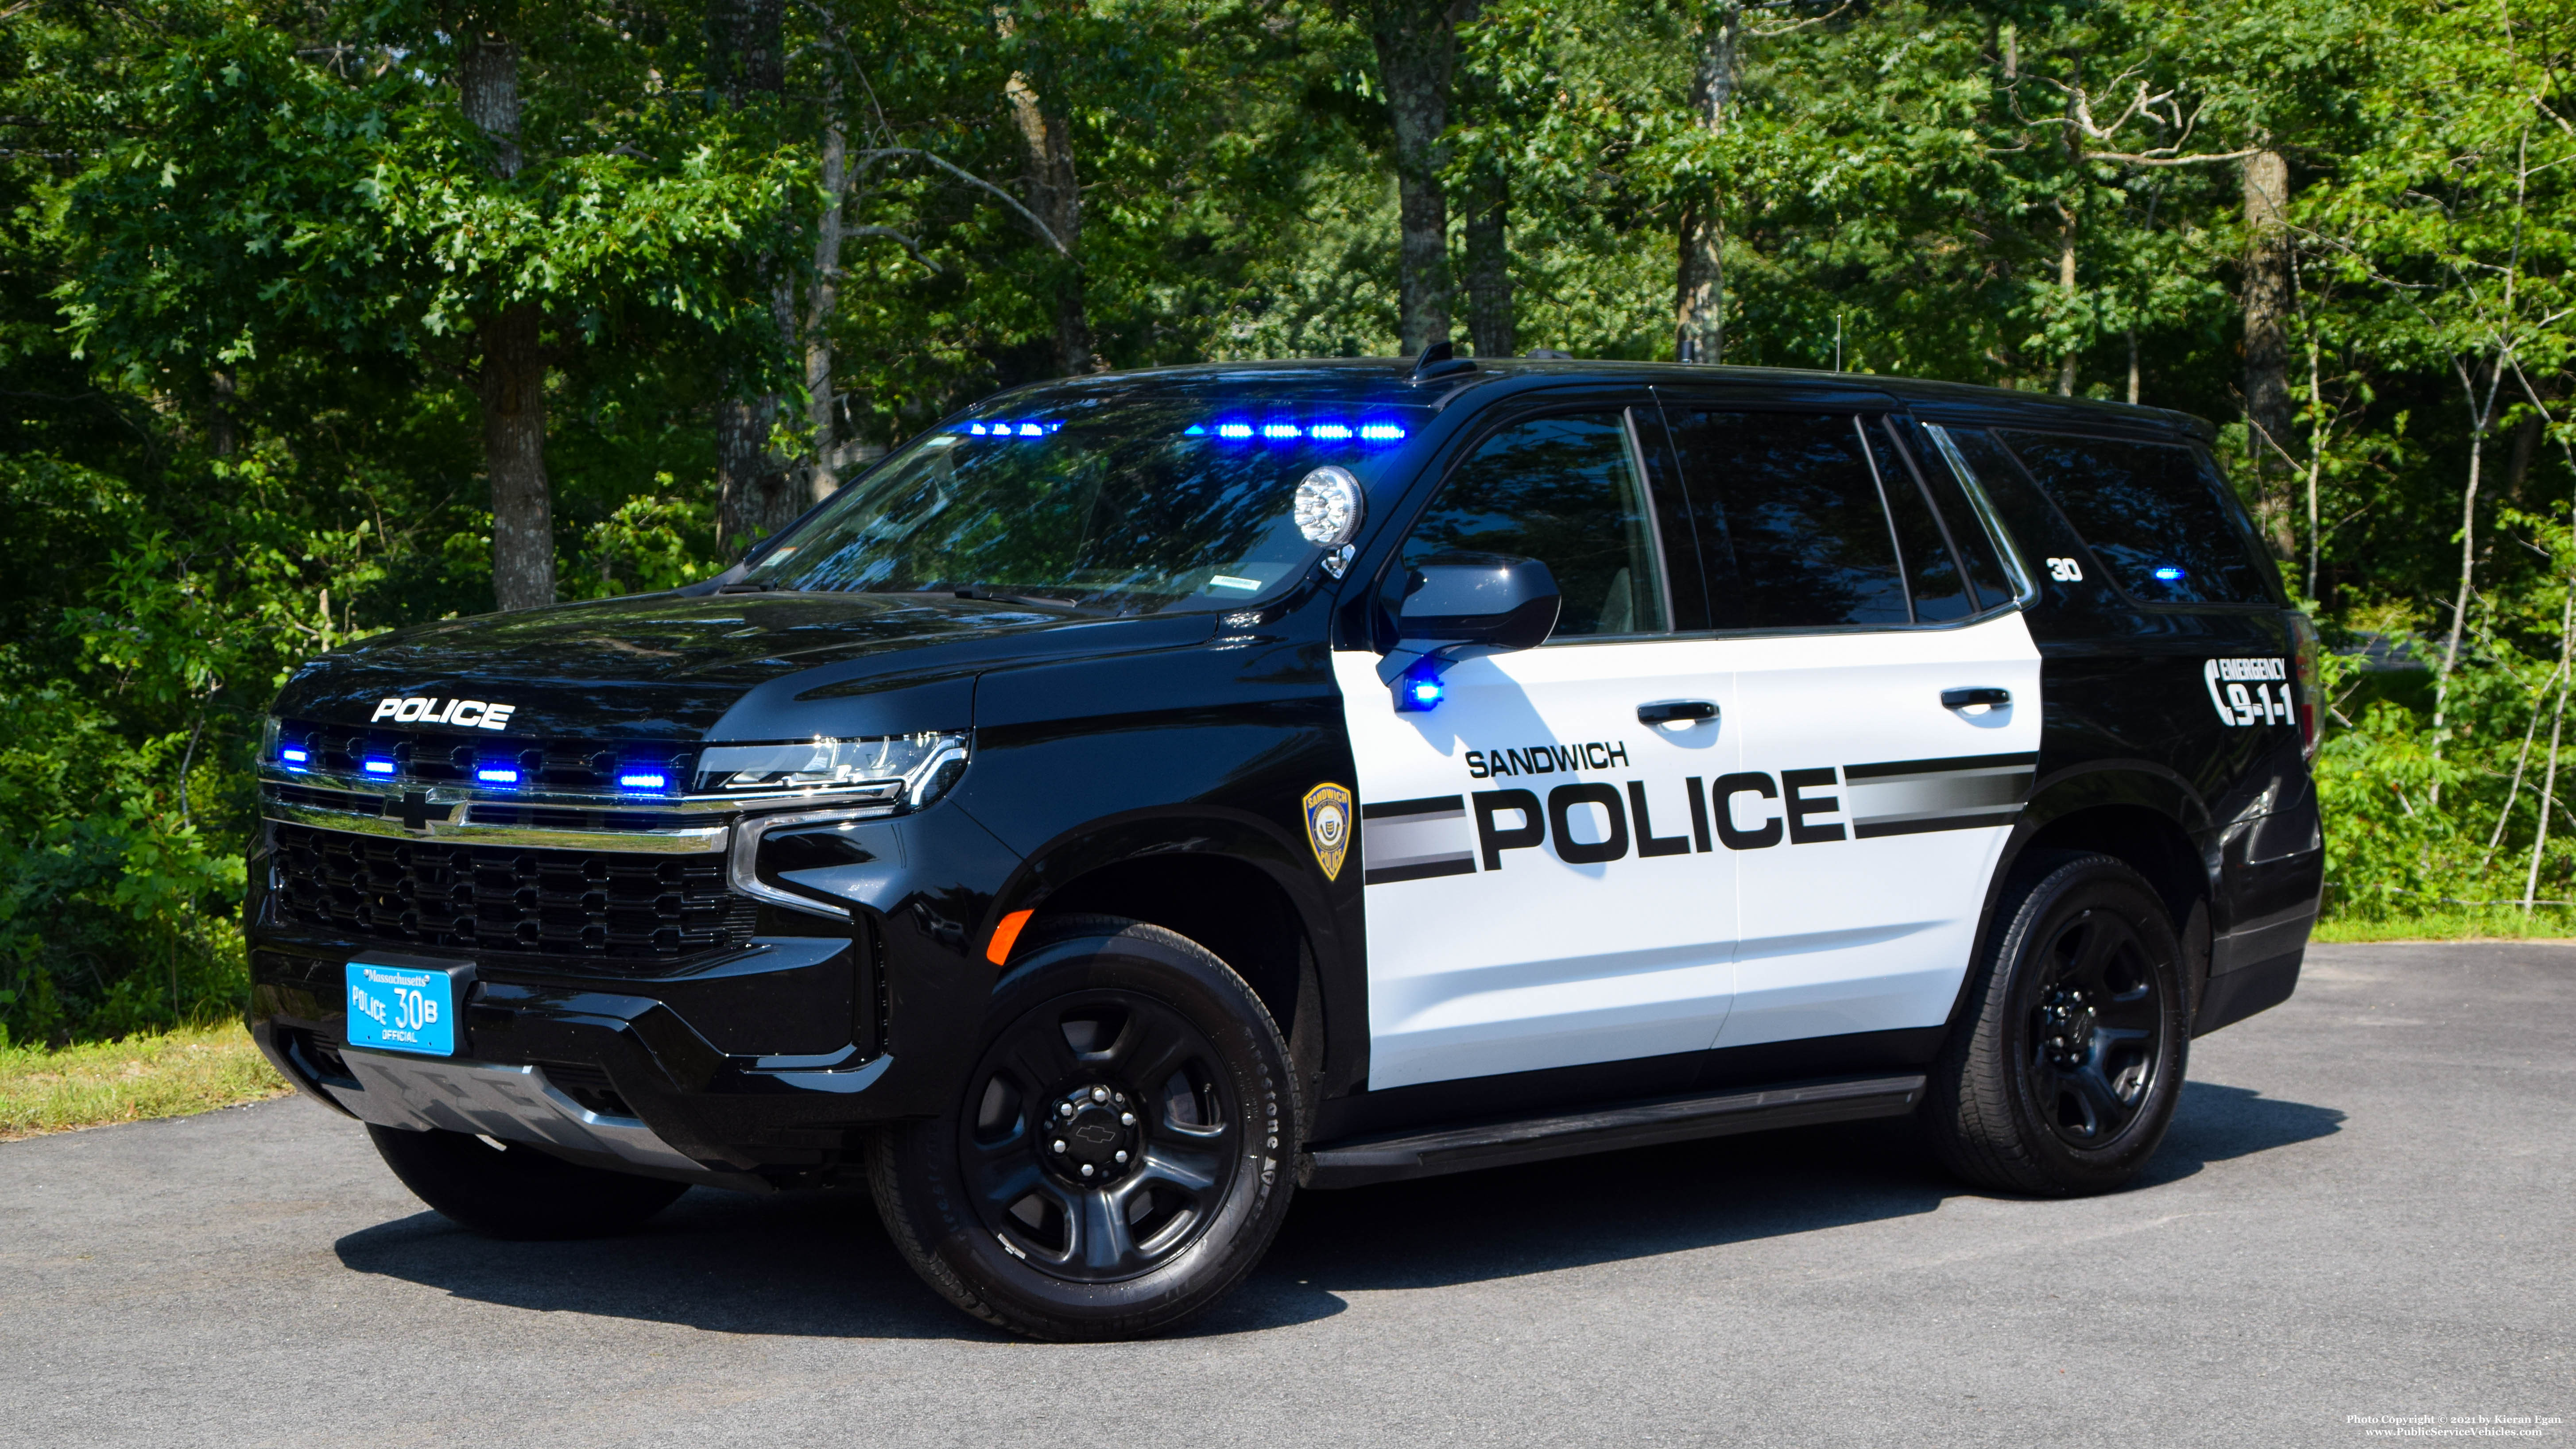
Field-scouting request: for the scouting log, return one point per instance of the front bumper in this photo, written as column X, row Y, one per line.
column 767, row 1064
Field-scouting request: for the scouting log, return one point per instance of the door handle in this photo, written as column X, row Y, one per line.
column 1983, row 694
column 1667, row 711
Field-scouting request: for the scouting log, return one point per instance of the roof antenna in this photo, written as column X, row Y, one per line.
column 1440, row 359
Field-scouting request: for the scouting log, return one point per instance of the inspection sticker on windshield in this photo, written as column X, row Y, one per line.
column 402, row 1009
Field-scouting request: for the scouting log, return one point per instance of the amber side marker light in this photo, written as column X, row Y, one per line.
column 1004, row 935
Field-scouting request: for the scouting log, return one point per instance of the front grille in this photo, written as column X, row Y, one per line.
column 581, row 903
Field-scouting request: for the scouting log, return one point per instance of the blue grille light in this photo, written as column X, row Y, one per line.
column 643, row 780
column 295, row 756
column 497, row 775
column 2168, row 573
column 1380, row 432
column 378, row 767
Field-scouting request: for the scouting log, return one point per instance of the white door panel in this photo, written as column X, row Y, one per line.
column 1594, row 919
column 1890, row 813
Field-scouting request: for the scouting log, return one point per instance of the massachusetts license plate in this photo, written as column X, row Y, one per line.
column 402, row 1009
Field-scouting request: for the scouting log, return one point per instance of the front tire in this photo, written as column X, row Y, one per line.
column 1113, row 1163
column 2062, row 1074
column 512, row 1190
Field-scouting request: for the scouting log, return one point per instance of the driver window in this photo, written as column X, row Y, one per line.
column 1565, row 491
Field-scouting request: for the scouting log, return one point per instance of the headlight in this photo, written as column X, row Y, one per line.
column 908, row 770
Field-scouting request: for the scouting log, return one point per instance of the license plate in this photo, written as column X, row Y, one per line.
column 402, row 1009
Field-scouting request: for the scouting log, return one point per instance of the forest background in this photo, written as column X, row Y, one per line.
column 320, row 317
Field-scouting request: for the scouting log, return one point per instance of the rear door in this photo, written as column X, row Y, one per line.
column 1867, row 814
column 1543, row 885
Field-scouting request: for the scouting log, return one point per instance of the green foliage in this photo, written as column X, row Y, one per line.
column 244, row 248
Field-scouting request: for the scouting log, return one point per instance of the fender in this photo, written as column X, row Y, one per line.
column 2090, row 785
column 1214, row 833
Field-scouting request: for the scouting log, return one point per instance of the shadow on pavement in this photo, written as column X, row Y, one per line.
column 818, row 1265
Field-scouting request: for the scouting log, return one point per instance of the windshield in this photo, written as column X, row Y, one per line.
column 1124, row 505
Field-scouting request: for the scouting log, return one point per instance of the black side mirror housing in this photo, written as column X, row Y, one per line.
column 1490, row 601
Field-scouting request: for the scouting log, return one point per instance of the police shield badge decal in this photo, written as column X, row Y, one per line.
column 1328, row 827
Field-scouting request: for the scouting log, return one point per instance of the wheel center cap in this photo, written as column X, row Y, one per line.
column 2067, row 1022
column 1090, row 1135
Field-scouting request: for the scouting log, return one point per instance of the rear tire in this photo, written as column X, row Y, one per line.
column 517, row 1191
column 1116, row 1161
column 2061, row 1075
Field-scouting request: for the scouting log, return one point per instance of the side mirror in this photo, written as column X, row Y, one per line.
column 1463, row 602
column 1478, row 600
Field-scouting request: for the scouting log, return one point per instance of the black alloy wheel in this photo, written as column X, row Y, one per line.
column 1121, row 1153
column 1105, row 1133
column 2096, row 1032
column 2063, row 1068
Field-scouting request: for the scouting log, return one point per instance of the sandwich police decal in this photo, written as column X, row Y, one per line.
column 2249, row 691
column 1328, row 827
column 1593, row 822
column 428, row 709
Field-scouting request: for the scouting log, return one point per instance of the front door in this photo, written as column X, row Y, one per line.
column 1544, row 888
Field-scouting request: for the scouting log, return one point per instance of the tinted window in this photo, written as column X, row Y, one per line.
column 1931, row 570
column 1790, row 520
column 1976, row 547
column 2152, row 514
column 1564, row 491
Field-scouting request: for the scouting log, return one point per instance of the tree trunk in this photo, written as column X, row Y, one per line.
column 1417, row 52
column 2267, row 353
column 1700, row 320
column 822, row 408
column 221, row 434
column 755, row 495
column 1489, row 264
column 2066, row 284
column 1055, row 194
column 511, row 379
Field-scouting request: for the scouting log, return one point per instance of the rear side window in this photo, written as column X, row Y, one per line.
column 2152, row 513
column 1931, row 571
column 1791, row 528
column 1564, row 491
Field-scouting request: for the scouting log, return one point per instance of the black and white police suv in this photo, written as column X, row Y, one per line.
column 1148, row 794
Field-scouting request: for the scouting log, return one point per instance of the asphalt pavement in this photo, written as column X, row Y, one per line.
column 2362, row 1220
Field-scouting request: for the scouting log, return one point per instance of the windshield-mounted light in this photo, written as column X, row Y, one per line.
column 906, row 770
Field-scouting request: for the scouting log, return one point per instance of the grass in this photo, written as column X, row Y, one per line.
column 2469, row 923
column 194, row 1069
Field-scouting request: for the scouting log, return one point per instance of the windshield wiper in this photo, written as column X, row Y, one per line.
column 1006, row 596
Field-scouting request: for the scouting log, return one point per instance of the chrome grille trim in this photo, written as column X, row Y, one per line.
column 442, row 825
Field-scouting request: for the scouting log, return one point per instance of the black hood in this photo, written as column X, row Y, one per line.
column 721, row 666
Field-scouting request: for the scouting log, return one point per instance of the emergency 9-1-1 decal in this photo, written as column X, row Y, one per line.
column 1328, row 827
column 2249, row 691
column 1597, row 822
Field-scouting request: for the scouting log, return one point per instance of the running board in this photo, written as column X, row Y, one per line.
column 1635, row 1124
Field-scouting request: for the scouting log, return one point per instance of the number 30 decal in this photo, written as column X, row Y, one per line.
column 2065, row 570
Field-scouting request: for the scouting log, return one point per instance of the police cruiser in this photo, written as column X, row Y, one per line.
column 1147, row 795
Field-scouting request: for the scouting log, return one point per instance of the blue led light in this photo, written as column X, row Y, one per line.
column 1234, row 430
column 1336, row 431
column 293, row 755
column 643, row 780
column 1194, row 430
column 497, row 775
column 2168, row 573
column 975, row 430
column 378, row 767
column 1280, row 430
column 1426, row 693
column 1380, row 432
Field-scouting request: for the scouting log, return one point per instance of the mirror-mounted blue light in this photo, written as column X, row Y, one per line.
column 497, row 774
column 643, row 780
column 378, row 767
column 1425, row 693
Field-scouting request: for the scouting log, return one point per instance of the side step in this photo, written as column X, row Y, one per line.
column 1633, row 1124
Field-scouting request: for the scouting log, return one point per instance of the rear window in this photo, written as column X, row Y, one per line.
column 2154, row 514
